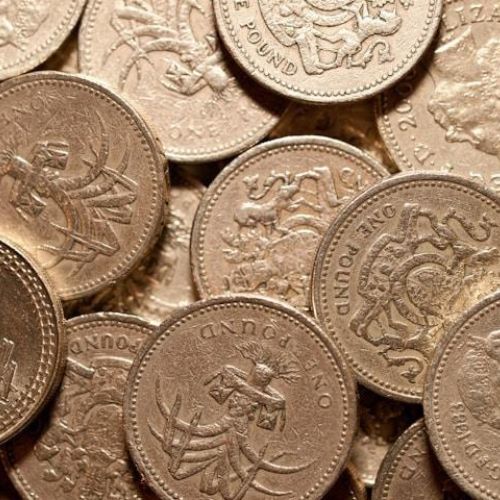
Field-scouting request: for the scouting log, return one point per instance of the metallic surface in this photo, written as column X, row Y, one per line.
column 398, row 266
column 240, row 396
column 261, row 220
column 443, row 116
column 82, row 182
column 165, row 57
column 462, row 400
column 78, row 450
column 327, row 51
column 349, row 486
column 32, row 341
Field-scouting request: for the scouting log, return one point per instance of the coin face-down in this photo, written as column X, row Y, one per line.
column 32, row 340
column 83, row 184
column 240, row 396
column 398, row 266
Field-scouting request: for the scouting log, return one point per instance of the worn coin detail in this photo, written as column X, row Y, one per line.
column 399, row 265
column 410, row 470
column 322, row 51
column 32, row 341
column 163, row 281
column 78, row 451
column 462, row 400
column 83, row 185
column 32, row 30
column 444, row 116
column 241, row 398
column 260, row 222
column 167, row 60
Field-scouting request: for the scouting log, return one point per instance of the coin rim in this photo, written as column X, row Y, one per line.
column 285, row 88
column 351, row 395
column 49, row 388
column 432, row 385
column 223, row 182
column 158, row 173
column 323, row 251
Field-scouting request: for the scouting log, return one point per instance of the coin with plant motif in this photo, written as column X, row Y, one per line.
column 241, row 398
column 398, row 266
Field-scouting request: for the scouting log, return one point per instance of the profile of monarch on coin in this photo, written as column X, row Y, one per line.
column 479, row 379
column 466, row 99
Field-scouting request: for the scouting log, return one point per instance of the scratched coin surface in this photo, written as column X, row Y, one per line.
column 165, row 57
column 445, row 115
column 163, row 281
column 32, row 341
column 462, row 400
column 241, row 398
column 32, row 30
column 260, row 222
column 78, row 451
column 398, row 266
column 327, row 51
column 82, row 182
column 411, row 471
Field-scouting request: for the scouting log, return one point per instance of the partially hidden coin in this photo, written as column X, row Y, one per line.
column 325, row 52
column 410, row 470
column 462, row 400
column 260, row 222
column 31, row 31
column 241, row 397
column 444, row 116
column 66, row 58
column 32, row 341
column 83, row 184
column 349, row 486
column 77, row 451
column 398, row 266
column 7, row 491
column 165, row 57
column 163, row 281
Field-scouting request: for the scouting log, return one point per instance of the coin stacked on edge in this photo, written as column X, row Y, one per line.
column 249, row 250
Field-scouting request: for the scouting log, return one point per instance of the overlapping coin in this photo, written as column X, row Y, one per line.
column 83, row 184
column 398, row 266
column 32, row 341
column 243, row 398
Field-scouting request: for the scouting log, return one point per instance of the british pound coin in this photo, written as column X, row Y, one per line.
column 78, row 451
column 462, row 400
column 349, row 486
column 162, row 282
column 398, row 266
column 327, row 51
column 166, row 58
column 241, row 398
column 260, row 222
column 410, row 470
column 83, row 184
column 32, row 30
column 445, row 116
column 32, row 341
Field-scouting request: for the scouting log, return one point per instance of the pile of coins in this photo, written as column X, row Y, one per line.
column 212, row 287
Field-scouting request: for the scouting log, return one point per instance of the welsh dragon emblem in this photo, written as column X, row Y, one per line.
column 221, row 452
column 90, row 203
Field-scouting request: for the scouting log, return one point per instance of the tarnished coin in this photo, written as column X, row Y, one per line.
column 163, row 281
column 241, row 398
column 410, row 470
column 462, row 400
column 78, row 451
column 32, row 341
column 82, row 182
column 327, row 51
column 167, row 60
column 260, row 222
column 445, row 115
column 398, row 266
column 349, row 486
column 32, row 30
